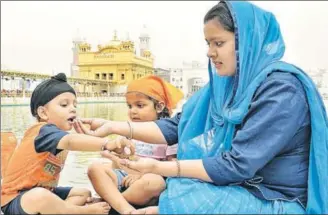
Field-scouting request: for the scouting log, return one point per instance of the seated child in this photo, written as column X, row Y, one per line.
column 29, row 183
column 148, row 99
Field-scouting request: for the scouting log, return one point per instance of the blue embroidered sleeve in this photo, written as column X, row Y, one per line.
column 276, row 113
column 48, row 139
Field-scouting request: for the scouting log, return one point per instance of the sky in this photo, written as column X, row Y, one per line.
column 37, row 36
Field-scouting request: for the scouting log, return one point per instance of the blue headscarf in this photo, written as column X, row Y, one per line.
column 223, row 103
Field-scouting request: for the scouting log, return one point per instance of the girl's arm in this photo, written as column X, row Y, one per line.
column 147, row 132
column 143, row 131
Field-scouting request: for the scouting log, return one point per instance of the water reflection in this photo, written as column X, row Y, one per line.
column 19, row 118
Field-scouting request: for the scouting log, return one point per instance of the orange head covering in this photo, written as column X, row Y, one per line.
column 158, row 89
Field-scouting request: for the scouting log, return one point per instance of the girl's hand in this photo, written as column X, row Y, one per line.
column 98, row 127
column 140, row 166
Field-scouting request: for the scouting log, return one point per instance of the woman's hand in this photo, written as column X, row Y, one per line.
column 117, row 162
column 98, row 127
column 141, row 166
column 130, row 179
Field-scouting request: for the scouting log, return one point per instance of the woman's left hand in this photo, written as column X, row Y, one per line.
column 142, row 165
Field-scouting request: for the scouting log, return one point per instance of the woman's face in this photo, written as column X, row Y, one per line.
column 221, row 47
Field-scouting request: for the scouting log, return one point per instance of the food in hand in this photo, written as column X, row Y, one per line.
column 126, row 154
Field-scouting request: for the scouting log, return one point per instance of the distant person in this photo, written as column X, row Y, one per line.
column 148, row 99
column 29, row 183
column 254, row 140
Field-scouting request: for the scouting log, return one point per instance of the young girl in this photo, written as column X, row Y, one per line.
column 148, row 99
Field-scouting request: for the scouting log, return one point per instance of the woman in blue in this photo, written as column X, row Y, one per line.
column 253, row 140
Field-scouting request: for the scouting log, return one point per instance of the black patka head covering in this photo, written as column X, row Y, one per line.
column 48, row 90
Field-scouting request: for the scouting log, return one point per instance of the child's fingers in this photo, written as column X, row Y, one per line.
column 133, row 179
column 79, row 124
column 86, row 120
column 128, row 143
column 118, row 143
column 129, row 182
column 89, row 200
column 113, row 158
column 84, row 129
column 110, row 156
column 123, row 163
column 77, row 127
column 132, row 147
column 125, row 181
column 107, row 154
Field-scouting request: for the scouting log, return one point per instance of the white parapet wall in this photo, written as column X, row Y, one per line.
column 13, row 101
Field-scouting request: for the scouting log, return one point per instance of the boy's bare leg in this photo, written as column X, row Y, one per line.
column 79, row 196
column 41, row 201
column 104, row 181
column 146, row 188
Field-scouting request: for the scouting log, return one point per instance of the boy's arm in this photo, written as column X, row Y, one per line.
column 52, row 139
column 82, row 142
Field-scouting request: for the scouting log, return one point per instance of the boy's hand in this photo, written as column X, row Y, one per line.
column 121, row 146
column 130, row 179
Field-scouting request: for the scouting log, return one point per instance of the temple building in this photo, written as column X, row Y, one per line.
column 116, row 62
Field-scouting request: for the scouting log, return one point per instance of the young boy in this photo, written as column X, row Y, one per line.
column 29, row 183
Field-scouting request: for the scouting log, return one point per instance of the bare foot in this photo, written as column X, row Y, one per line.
column 98, row 208
column 147, row 210
column 92, row 200
column 129, row 211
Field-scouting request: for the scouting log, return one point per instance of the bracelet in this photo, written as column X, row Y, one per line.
column 103, row 147
column 179, row 168
column 131, row 131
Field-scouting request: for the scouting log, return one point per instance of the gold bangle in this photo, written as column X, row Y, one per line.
column 103, row 147
column 179, row 168
column 131, row 131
